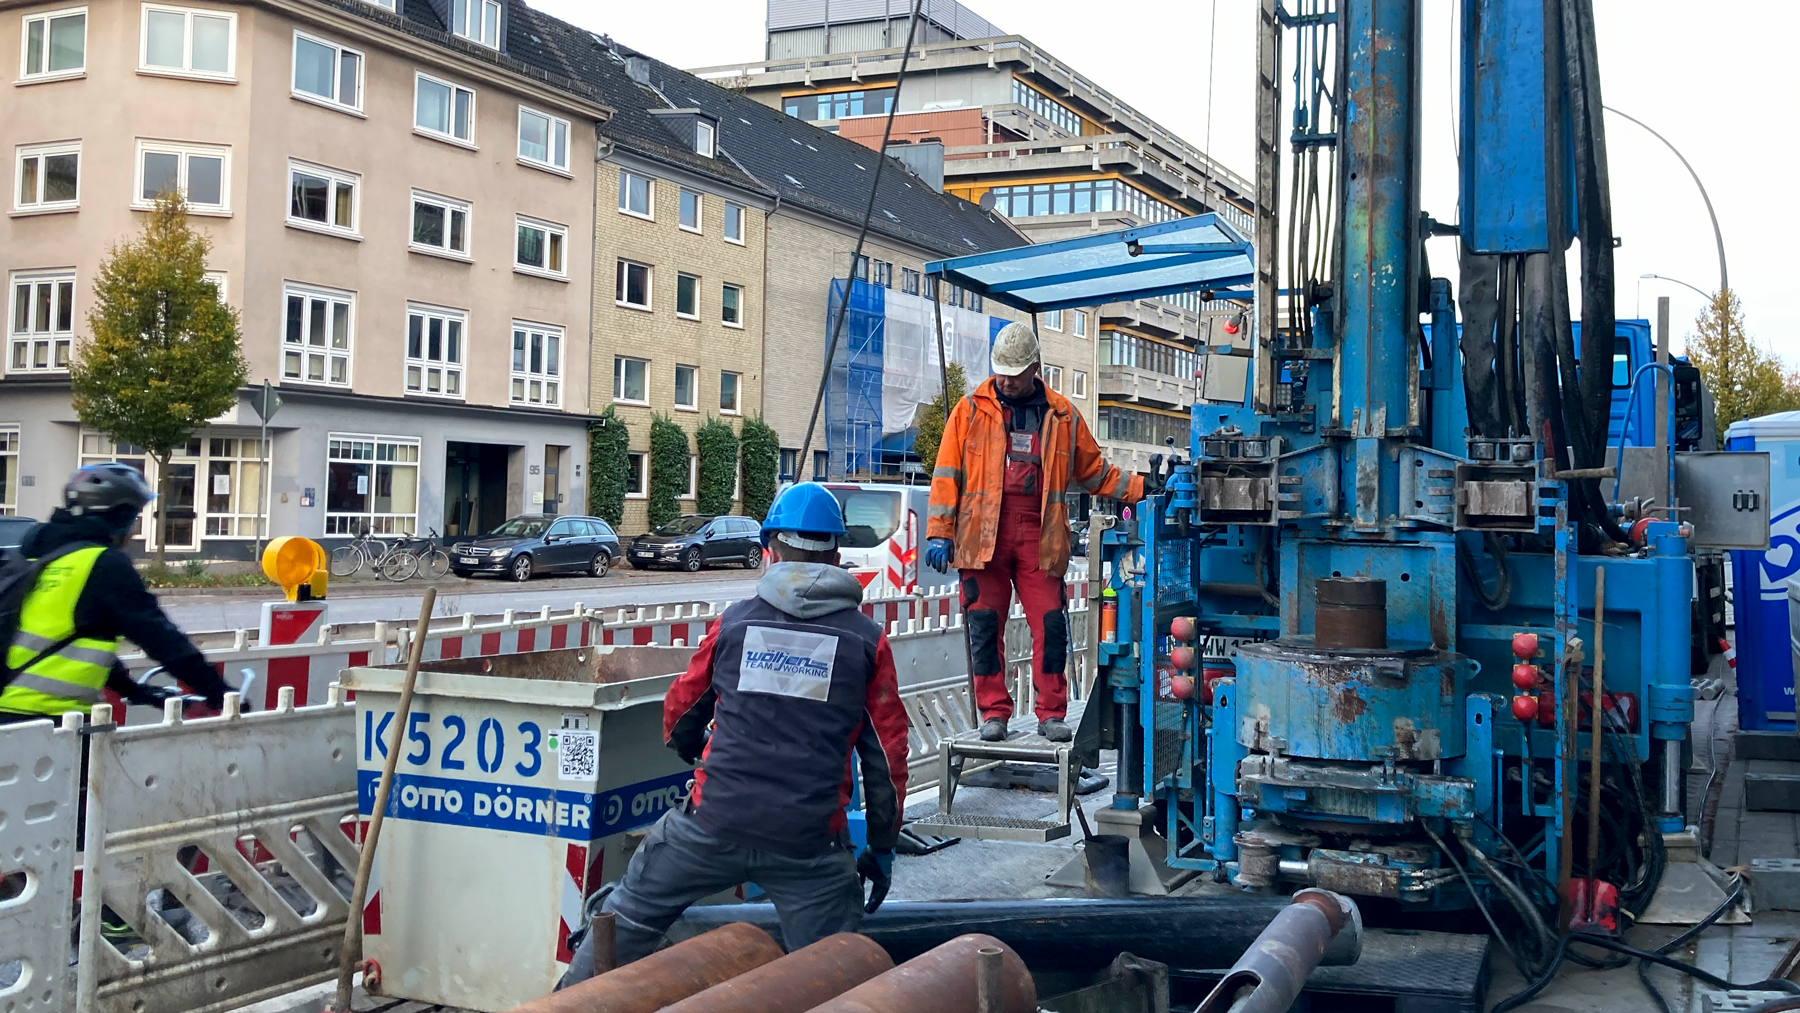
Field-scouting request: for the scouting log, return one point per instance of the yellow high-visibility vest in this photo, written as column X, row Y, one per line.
column 72, row 677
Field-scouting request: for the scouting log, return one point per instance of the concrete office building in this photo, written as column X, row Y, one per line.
column 400, row 201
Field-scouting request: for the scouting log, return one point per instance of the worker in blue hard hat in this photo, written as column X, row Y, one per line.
column 790, row 683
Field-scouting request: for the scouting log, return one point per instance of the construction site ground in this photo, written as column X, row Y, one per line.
column 973, row 869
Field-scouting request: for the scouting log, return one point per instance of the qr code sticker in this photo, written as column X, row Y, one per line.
column 578, row 755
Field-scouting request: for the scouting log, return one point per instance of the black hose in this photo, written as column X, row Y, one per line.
column 1643, row 968
column 1531, row 991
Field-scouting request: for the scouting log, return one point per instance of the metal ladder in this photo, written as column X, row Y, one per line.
column 1023, row 744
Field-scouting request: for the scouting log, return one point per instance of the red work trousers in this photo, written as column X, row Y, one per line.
column 987, row 600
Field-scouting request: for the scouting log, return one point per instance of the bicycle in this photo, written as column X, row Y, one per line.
column 413, row 556
column 364, row 550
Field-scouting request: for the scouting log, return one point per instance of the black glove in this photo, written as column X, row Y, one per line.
column 877, row 867
column 150, row 696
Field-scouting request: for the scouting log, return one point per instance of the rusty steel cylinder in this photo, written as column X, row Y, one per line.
column 1272, row 972
column 942, row 980
column 797, row 982
column 666, row 976
column 1350, row 612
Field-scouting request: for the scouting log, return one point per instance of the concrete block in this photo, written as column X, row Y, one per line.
column 1775, row 882
column 1772, row 792
column 1768, row 745
column 1736, row 1001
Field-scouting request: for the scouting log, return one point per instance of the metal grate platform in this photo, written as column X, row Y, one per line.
column 992, row 828
column 1022, row 744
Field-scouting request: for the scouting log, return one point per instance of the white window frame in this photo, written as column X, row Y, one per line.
column 693, row 388
column 551, row 126
column 706, row 139
column 696, row 280
column 619, row 380
column 739, row 323
column 741, row 213
column 548, row 377
column 9, row 468
column 450, row 371
column 649, row 286
column 1053, row 320
column 54, row 339
column 1081, row 323
column 693, row 478
column 308, row 294
column 638, row 461
column 219, row 280
column 1053, row 377
column 474, row 14
column 187, row 43
column 1078, row 384
column 25, row 75
column 42, row 152
column 336, row 178
column 450, row 206
column 649, row 212
column 699, row 226
column 341, row 523
column 185, row 152
column 739, row 410
column 335, row 101
column 449, row 136
column 549, row 229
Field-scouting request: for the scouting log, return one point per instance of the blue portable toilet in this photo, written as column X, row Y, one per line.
column 1765, row 664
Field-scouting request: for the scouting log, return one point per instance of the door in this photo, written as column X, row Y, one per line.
column 553, row 457
column 182, row 532
column 718, row 541
column 749, row 542
column 563, row 548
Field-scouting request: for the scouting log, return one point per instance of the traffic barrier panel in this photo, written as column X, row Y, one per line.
column 40, row 766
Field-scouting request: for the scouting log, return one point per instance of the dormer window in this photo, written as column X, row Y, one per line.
column 703, row 138
column 477, row 20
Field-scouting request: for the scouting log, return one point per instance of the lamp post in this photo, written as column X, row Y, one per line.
column 1708, row 296
column 1718, row 237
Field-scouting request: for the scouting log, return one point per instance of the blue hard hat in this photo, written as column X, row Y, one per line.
column 809, row 514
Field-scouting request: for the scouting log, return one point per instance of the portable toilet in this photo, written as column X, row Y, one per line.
column 1765, row 665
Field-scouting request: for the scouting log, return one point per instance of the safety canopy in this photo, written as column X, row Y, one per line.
column 1197, row 254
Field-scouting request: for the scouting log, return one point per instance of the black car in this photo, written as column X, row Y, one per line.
column 537, row 543
column 692, row 541
column 13, row 530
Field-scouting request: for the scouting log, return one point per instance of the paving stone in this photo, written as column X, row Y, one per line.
column 1776, row 882
column 1772, row 792
column 1767, row 745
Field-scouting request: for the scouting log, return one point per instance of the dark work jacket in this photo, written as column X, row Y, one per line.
column 793, row 682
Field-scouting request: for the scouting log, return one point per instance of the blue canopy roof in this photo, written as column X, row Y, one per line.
column 1202, row 253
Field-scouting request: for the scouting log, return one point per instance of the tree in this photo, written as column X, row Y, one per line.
column 760, row 451
column 164, row 354
column 930, row 420
column 609, row 466
column 717, row 447
column 668, row 470
column 1746, row 379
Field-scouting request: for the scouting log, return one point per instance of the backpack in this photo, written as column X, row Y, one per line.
column 18, row 577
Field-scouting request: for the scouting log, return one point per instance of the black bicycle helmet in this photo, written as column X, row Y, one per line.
column 103, row 489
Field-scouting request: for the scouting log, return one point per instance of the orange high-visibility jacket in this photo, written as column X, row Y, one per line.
column 971, row 465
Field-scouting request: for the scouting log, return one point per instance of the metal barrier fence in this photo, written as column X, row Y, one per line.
column 40, row 766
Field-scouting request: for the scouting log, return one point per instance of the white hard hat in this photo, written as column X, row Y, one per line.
column 1015, row 349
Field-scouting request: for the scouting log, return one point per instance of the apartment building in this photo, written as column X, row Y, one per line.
column 400, row 201
column 1034, row 140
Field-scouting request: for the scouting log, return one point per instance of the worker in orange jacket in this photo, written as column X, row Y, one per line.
column 999, row 513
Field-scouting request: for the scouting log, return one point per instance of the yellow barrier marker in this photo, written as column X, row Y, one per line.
column 298, row 565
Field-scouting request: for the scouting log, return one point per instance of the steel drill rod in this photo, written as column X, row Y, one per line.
column 1593, row 820
column 990, row 985
column 667, row 976
column 1272, row 972
column 945, row 979
column 1077, row 933
column 797, row 982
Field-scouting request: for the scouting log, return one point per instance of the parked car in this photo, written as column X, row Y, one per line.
column 692, row 541
column 13, row 530
column 531, row 544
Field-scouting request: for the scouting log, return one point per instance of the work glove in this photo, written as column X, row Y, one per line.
column 150, row 696
column 876, row 865
column 937, row 553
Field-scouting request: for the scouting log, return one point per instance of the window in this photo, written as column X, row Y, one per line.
column 434, row 351
column 693, row 475
column 540, row 247
column 218, row 279
column 444, row 110
column 633, row 285
column 821, row 465
column 687, row 296
column 1102, row 196
column 188, row 42
column 315, row 347
column 634, row 195
column 1052, row 376
column 1078, row 384
column 440, row 224
column 49, row 177
column 55, row 44
column 327, row 72
column 703, row 138
column 636, row 480
column 200, row 174
column 628, row 380
column 975, row 301
column 1081, row 323
column 372, row 484
column 234, row 486
column 9, row 470
column 690, row 210
column 543, row 140
column 730, row 384
column 882, row 273
column 1128, row 425
column 1621, row 363
column 1058, row 115
column 790, row 464
column 43, row 322
column 731, row 306
column 1117, row 348
column 536, row 364
column 734, row 224
column 1053, row 320
column 477, row 21
column 909, row 281
column 686, row 380
column 862, row 269
column 320, row 198
column 837, row 105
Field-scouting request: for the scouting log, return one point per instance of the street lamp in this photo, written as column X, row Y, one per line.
column 1708, row 296
column 1718, row 238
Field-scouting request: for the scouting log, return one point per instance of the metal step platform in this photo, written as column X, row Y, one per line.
column 1022, row 745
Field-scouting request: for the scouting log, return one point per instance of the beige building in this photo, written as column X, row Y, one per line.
column 402, row 217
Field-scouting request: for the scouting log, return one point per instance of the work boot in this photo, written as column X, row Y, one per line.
column 993, row 730
column 1055, row 729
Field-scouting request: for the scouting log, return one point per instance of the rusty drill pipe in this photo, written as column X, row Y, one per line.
column 944, row 980
column 666, row 976
column 797, row 982
column 1273, row 971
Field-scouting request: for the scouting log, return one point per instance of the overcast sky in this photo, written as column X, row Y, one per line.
column 1713, row 84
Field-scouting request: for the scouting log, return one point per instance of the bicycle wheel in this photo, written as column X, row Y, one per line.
column 346, row 560
column 400, row 565
column 434, row 564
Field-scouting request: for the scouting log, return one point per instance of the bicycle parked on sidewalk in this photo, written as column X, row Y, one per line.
column 364, row 550
column 412, row 557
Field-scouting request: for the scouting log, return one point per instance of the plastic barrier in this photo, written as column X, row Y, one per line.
column 40, row 764
column 265, row 799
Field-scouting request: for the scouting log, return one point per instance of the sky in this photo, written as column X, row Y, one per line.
column 1702, row 80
